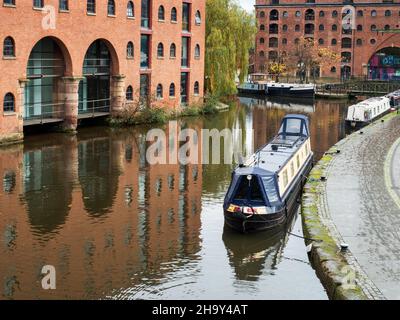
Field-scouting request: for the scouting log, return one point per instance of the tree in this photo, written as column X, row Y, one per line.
column 230, row 34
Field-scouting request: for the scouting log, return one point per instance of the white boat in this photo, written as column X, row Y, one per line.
column 367, row 110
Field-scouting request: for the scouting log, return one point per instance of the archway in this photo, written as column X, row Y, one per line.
column 385, row 64
column 49, row 61
column 95, row 88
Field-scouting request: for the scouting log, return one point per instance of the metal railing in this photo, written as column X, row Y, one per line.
column 39, row 111
column 94, row 106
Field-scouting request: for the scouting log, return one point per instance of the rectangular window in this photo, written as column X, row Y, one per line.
column 298, row 161
column 145, row 51
column 64, row 5
column 145, row 16
column 186, row 17
column 38, row 3
column 292, row 169
column 185, row 52
column 285, row 178
column 9, row 2
column 91, row 6
column 184, row 87
column 270, row 189
column 144, row 85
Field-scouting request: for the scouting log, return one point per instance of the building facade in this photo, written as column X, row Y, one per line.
column 64, row 60
column 364, row 33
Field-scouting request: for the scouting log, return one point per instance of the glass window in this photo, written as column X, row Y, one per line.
column 130, row 50
column 270, row 189
column 293, row 126
column 172, row 51
column 197, row 51
column 160, row 50
column 145, row 16
column 159, row 91
column 172, row 90
column 64, row 5
column 186, row 16
column 38, row 3
column 161, row 13
column 129, row 93
column 196, row 88
column 9, row 2
column 8, row 47
column 91, row 6
column 111, row 8
column 174, row 15
column 198, row 18
column 144, row 51
column 130, row 9
column 9, row 103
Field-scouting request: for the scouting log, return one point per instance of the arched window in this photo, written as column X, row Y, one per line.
column 172, row 90
column 172, row 51
column 9, row 103
column 262, row 41
column 91, row 6
column 9, row 47
column 262, row 53
column 322, row 14
column 387, row 27
column 373, row 27
column 130, row 9
column 111, row 8
column 273, row 42
column 197, row 51
column 284, row 41
column 359, row 42
column 262, row 27
column 373, row 13
column 161, row 13
column 196, row 88
column 262, row 14
column 274, row 15
column 130, row 50
column 160, row 50
column 284, row 28
column 296, row 41
column 334, row 14
column 321, row 27
column 197, row 18
column 298, row 14
column 334, row 27
column 297, row 28
column 333, row 69
column 129, row 93
column 321, row 41
column 174, row 15
column 334, row 42
column 360, row 13
column 159, row 91
column 359, row 27
column 285, row 14
column 310, row 15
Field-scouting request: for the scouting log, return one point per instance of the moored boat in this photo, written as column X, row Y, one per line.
column 368, row 110
column 291, row 90
column 265, row 189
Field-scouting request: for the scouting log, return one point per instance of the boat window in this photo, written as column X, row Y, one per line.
column 285, row 178
column 298, row 161
column 270, row 189
column 293, row 126
column 292, row 169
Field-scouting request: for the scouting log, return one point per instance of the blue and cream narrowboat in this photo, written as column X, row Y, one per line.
column 266, row 188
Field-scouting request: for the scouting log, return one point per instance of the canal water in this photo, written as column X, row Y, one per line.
column 115, row 227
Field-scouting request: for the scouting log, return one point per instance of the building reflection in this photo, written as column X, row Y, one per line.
column 96, row 210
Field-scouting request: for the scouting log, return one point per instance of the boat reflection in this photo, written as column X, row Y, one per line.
column 252, row 255
column 289, row 104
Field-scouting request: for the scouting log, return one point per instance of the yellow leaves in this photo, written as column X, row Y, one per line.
column 277, row 68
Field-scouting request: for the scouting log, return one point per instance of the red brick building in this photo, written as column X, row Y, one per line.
column 350, row 28
column 64, row 60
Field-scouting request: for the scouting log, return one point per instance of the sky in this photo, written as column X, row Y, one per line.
column 247, row 4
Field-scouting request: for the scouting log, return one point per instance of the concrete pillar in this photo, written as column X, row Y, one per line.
column 70, row 97
column 117, row 94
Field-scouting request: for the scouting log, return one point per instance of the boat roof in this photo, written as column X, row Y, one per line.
column 371, row 102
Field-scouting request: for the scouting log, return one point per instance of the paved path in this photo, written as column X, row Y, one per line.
column 363, row 201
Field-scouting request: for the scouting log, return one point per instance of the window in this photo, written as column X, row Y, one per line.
column 270, row 188
column 145, row 14
column 373, row 13
column 161, row 13
column 130, row 50
column 197, row 51
column 333, row 69
column 359, row 27
column 172, row 51
column 38, row 3
column 297, row 28
column 144, row 51
column 197, row 18
column 321, row 41
column 360, row 13
column 298, row 14
column 322, row 14
column 185, row 52
column 284, row 28
column 285, row 178
column 91, row 6
column 273, row 42
column 186, row 17
column 262, row 27
column 111, row 8
column 262, row 14
column 262, row 41
column 172, row 90
column 160, row 50
column 285, row 14
column 63, row 5
column 274, row 15
column 273, row 28
column 9, row 103
column 346, row 43
column 159, row 91
column 359, row 42
column 8, row 47
column 262, row 54
column 174, row 15
column 284, row 41
column 130, row 10
column 9, row 2
column 334, row 27
column 334, row 14
column 387, row 27
column 196, row 88
column 373, row 27
column 321, row 27
column 334, row 42
column 129, row 93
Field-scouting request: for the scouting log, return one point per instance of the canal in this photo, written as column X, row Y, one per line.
column 115, row 227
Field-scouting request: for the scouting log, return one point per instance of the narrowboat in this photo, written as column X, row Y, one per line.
column 252, row 88
column 368, row 110
column 265, row 188
column 291, row 90
column 394, row 99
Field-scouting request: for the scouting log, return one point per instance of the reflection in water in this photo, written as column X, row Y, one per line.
column 159, row 235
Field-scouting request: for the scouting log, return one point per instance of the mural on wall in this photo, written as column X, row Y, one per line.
column 385, row 65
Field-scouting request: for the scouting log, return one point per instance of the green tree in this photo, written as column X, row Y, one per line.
column 229, row 36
